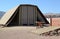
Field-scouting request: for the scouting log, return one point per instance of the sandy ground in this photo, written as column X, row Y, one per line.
column 21, row 33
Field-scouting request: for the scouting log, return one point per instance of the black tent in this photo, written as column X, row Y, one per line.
column 26, row 15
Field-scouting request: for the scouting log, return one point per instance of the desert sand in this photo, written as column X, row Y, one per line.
column 21, row 33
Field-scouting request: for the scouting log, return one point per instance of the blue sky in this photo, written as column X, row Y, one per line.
column 46, row 6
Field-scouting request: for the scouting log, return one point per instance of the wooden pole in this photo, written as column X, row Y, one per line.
column 50, row 20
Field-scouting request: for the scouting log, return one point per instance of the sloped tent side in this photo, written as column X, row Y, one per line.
column 41, row 17
column 14, row 19
column 7, row 16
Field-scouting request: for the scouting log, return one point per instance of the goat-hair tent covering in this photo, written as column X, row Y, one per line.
column 23, row 15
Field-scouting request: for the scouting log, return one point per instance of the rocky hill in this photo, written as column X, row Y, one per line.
column 52, row 15
column 1, row 14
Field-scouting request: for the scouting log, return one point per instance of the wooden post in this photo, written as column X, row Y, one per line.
column 50, row 20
